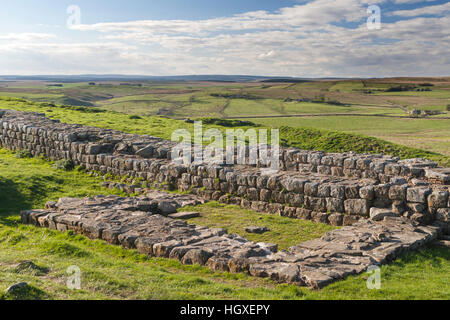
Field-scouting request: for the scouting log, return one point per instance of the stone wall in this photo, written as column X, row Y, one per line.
column 331, row 188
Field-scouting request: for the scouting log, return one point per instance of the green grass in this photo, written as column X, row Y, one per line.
column 44, row 97
column 273, row 107
column 31, row 182
column 339, row 142
column 441, row 94
column 347, row 86
column 111, row 272
column 285, row 232
column 407, row 138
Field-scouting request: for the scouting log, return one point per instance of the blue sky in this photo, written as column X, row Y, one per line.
column 315, row 38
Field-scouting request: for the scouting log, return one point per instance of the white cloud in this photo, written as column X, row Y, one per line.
column 429, row 10
column 24, row 37
column 318, row 12
column 411, row 1
column 269, row 54
column 306, row 40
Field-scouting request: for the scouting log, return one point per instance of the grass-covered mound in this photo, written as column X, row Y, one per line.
column 334, row 141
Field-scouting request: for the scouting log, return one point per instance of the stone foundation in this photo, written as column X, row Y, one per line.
column 338, row 189
column 138, row 223
column 407, row 202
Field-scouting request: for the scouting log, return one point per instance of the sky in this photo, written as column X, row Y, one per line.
column 300, row 38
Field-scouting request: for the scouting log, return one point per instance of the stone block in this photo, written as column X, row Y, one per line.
column 417, row 194
column 358, row 207
column 397, row 192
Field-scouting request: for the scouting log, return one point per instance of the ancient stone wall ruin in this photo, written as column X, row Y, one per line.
column 139, row 223
column 331, row 188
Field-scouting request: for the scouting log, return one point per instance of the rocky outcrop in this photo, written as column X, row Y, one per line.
column 138, row 223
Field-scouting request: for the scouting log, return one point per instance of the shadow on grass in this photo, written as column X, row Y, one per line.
column 26, row 293
column 426, row 254
column 12, row 201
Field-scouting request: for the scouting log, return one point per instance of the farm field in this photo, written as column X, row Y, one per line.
column 369, row 107
column 428, row 134
column 224, row 99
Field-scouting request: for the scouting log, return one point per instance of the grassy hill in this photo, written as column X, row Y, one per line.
column 305, row 138
column 379, row 108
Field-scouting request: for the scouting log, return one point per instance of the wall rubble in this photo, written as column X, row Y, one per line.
column 138, row 223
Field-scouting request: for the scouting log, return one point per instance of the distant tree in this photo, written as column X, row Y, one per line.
column 448, row 107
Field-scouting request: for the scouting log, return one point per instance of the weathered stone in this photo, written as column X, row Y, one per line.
column 418, row 194
column 336, row 219
column 216, row 263
column 398, row 192
column 443, row 214
column 399, row 207
column 416, row 207
column 438, row 199
column 419, row 218
column 359, row 207
column 258, row 230
column 337, row 191
column 196, row 256
column 335, row 205
column 323, row 191
column 311, row 189
column 350, row 220
column 237, row 265
column 184, row 215
column 378, row 214
column 304, row 214
column 352, row 192
column 319, row 217
column 438, row 174
column 367, row 193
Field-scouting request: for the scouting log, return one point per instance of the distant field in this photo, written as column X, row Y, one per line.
column 428, row 134
column 332, row 101
column 193, row 99
column 442, row 94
